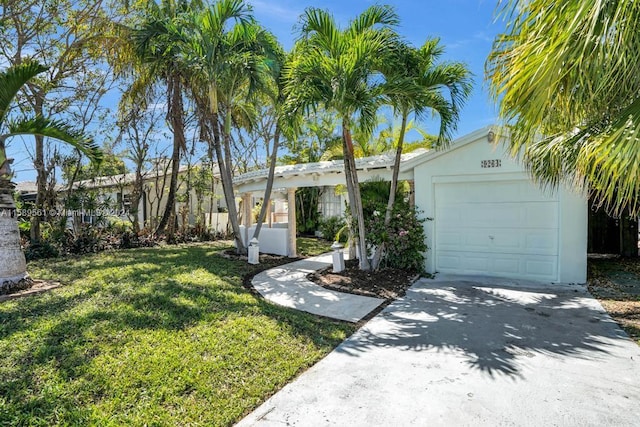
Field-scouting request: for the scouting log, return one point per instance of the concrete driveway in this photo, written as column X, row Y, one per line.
column 460, row 351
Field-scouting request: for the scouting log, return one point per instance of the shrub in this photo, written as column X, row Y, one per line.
column 87, row 239
column 40, row 250
column 329, row 227
column 404, row 239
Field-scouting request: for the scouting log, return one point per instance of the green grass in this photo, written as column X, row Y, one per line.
column 162, row 336
column 310, row 246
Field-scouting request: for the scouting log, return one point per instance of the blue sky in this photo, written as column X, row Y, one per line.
column 466, row 28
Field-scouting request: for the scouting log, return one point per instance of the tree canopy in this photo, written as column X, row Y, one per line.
column 565, row 76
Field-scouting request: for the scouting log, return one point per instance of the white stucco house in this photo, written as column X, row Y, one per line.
column 490, row 219
column 486, row 216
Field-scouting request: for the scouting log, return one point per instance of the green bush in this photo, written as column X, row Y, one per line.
column 404, row 237
column 40, row 250
column 329, row 227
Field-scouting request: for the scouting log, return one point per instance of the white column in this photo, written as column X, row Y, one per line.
column 246, row 202
column 246, row 215
column 291, row 216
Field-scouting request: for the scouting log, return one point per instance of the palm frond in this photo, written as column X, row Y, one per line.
column 58, row 130
column 383, row 15
column 12, row 80
column 565, row 75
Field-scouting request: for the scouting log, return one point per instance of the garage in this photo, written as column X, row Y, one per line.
column 504, row 228
column 486, row 217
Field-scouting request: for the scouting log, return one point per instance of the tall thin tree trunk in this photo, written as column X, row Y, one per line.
column 227, row 184
column 377, row 257
column 136, row 197
column 177, row 123
column 355, row 200
column 41, row 174
column 267, row 192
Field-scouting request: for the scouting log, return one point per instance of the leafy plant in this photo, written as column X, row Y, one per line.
column 40, row 250
column 404, row 235
column 331, row 227
column 404, row 238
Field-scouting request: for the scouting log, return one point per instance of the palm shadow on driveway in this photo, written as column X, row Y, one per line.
column 493, row 325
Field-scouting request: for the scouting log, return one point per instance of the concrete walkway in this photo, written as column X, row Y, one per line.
column 288, row 286
column 460, row 351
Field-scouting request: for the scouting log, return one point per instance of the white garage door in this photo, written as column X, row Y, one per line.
column 499, row 228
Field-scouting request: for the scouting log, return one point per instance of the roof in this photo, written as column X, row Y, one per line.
column 26, row 187
column 123, row 179
column 383, row 161
column 332, row 172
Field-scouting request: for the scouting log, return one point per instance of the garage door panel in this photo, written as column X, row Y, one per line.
column 541, row 267
column 496, row 240
column 521, row 214
column 501, row 191
column 541, row 215
column 508, row 265
column 449, row 261
column 545, row 243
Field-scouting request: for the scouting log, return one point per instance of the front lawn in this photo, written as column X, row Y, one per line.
column 311, row 246
column 162, row 336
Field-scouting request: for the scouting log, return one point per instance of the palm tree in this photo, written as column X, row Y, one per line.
column 336, row 69
column 566, row 77
column 157, row 44
column 417, row 84
column 228, row 61
column 276, row 96
column 13, row 271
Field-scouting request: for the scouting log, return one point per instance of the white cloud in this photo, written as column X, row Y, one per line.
column 280, row 11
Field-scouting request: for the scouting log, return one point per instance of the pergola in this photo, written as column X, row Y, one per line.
column 287, row 179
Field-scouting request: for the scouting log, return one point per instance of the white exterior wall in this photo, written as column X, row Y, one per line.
column 462, row 163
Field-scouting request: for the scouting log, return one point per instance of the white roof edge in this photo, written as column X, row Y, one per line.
column 332, row 166
column 452, row 146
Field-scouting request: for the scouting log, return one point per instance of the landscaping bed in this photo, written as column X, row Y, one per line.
column 388, row 284
column 615, row 282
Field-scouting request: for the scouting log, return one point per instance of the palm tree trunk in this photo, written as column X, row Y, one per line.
column 177, row 123
column 41, row 188
column 227, row 184
column 377, row 257
column 355, row 200
column 267, row 192
column 13, row 267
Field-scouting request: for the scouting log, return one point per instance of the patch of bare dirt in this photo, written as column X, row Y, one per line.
column 388, row 284
column 615, row 282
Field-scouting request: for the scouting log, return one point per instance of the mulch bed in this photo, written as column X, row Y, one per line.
column 388, row 284
column 621, row 299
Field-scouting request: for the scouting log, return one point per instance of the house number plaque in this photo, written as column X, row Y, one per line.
column 491, row 163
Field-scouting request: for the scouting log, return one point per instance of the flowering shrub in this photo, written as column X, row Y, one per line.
column 404, row 237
